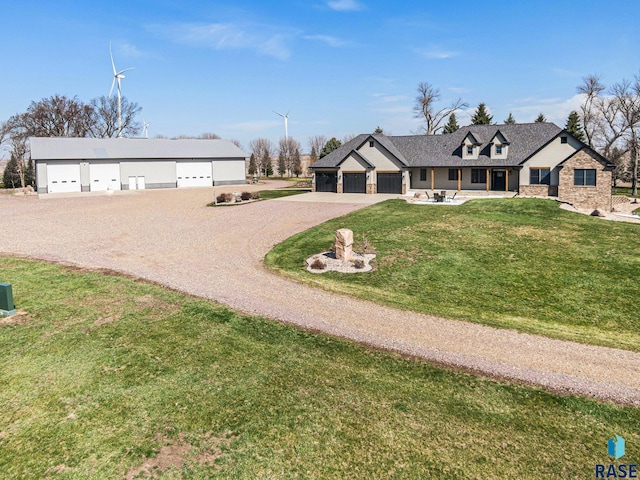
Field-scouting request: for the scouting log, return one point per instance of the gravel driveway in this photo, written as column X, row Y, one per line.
column 171, row 237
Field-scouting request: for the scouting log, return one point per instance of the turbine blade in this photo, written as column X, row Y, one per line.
column 125, row 70
column 278, row 113
column 113, row 82
column 112, row 62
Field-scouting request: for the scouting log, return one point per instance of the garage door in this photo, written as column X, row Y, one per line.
column 194, row 174
column 104, row 176
column 326, row 182
column 63, row 178
column 354, row 183
column 389, row 183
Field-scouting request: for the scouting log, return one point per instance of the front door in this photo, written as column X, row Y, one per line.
column 498, row 180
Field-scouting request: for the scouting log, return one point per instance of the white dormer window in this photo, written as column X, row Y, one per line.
column 498, row 149
column 469, row 149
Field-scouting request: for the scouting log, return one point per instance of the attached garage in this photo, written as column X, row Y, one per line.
column 389, row 182
column 63, row 178
column 104, row 176
column 326, row 182
column 194, row 174
column 354, row 182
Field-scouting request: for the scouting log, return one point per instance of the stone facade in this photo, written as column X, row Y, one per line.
column 587, row 197
column 339, row 189
column 537, row 191
column 371, row 188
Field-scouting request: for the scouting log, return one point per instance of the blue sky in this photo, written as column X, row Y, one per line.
column 342, row 66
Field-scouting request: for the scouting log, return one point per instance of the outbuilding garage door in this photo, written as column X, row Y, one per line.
column 326, row 182
column 194, row 174
column 63, row 178
column 389, row 183
column 354, row 182
column 104, row 176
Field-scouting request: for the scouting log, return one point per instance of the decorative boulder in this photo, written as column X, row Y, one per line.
column 344, row 244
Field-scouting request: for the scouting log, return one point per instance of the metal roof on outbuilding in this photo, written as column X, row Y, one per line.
column 68, row 148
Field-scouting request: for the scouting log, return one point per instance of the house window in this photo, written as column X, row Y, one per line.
column 423, row 174
column 498, row 149
column 564, row 139
column 584, row 177
column 478, row 175
column 539, row 176
column 453, row 174
column 470, row 150
column 371, row 143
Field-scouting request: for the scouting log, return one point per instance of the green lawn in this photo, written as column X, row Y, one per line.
column 269, row 194
column 102, row 371
column 514, row 263
column 622, row 191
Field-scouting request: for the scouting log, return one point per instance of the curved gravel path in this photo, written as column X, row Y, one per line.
column 171, row 237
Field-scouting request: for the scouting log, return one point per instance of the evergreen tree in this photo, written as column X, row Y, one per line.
column 29, row 174
column 297, row 164
column 11, row 176
column 330, row 146
column 252, row 165
column 265, row 164
column 541, row 118
column 481, row 116
column 574, row 126
column 510, row 120
column 282, row 165
column 378, row 130
column 313, row 156
column 452, row 125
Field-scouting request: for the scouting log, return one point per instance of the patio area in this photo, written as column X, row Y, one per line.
column 452, row 197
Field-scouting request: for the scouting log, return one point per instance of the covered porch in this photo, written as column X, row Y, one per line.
column 471, row 179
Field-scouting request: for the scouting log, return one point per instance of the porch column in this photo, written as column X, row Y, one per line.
column 488, row 178
column 506, row 183
column 433, row 178
column 459, row 178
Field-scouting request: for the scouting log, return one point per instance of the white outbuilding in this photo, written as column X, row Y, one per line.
column 65, row 164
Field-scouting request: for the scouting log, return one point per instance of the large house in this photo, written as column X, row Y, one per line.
column 65, row 164
column 535, row 159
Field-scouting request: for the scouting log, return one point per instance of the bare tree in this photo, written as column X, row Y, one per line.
column 591, row 88
column 104, row 122
column 348, row 137
column 318, row 142
column 425, row 108
column 627, row 99
column 263, row 149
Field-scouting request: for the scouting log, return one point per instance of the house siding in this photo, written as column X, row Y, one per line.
column 586, row 197
column 549, row 157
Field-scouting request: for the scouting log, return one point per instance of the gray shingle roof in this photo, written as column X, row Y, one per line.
column 445, row 150
column 66, row 148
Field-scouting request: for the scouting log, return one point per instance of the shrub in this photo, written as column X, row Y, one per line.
column 245, row 196
column 224, row 198
column 359, row 264
column 255, row 195
column 318, row 264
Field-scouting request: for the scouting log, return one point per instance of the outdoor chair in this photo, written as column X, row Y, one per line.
column 450, row 199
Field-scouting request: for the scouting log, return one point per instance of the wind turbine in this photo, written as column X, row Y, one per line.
column 117, row 76
column 286, row 125
column 145, row 128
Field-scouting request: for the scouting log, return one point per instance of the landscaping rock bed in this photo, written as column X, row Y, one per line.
column 333, row 264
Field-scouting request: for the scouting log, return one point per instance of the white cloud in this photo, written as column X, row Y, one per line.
column 556, row 110
column 329, row 40
column 231, row 36
column 129, row 50
column 435, row 53
column 390, row 98
column 345, row 5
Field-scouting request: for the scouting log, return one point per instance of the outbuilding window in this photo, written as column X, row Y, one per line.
column 539, row 176
column 584, row 177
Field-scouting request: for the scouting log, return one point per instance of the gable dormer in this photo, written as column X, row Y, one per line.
column 499, row 145
column 471, row 144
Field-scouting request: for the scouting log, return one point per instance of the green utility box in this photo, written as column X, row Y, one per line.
column 7, row 307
